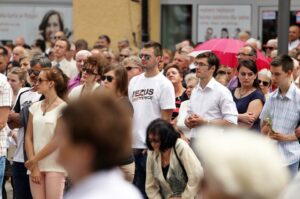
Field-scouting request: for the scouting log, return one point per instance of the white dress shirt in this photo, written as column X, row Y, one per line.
column 212, row 102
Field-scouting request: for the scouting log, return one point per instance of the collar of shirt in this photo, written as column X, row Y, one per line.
column 288, row 95
column 211, row 84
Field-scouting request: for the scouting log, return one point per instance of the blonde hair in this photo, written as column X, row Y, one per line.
column 19, row 72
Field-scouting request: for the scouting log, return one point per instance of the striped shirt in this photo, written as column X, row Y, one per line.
column 284, row 111
column 5, row 101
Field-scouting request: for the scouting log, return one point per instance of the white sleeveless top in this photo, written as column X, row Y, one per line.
column 43, row 130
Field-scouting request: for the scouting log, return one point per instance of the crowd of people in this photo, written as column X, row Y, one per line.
column 149, row 123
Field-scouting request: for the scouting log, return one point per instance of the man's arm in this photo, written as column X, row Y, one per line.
column 14, row 120
column 4, row 112
column 166, row 114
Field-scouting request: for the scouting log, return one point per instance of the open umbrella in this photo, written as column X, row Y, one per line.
column 227, row 50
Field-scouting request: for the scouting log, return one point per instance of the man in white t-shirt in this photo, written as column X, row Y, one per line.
column 152, row 96
column 210, row 102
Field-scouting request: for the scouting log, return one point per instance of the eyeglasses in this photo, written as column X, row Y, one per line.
column 199, row 64
column 89, row 71
column 264, row 83
column 108, row 77
column 40, row 80
column 246, row 74
column 145, row 56
column 243, row 54
column 129, row 68
column 34, row 72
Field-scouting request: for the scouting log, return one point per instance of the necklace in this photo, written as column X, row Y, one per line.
column 47, row 107
column 242, row 94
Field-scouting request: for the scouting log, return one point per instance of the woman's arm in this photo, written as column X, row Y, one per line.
column 254, row 109
column 29, row 139
column 152, row 186
column 47, row 149
column 192, row 167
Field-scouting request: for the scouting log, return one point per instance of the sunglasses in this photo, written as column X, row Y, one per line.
column 89, row 71
column 34, row 72
column 145, row 56
column 221, row 72
column 108, row 77
column 264, row 83
column 153, row 140
column 40, row 80
column 57, row 37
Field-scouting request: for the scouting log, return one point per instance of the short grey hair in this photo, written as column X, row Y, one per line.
column 83, row 53
column 241, row 163
column 191, row 76
column 132, row 59
column 265, row 72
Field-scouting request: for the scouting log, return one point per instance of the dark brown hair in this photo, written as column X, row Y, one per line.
column 156, row 46
column 121, row 77
column 92, row 121
column 44, row 23
column 172, row 65
column 98, row 62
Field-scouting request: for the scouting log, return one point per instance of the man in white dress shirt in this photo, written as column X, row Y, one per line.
column 294, row 34
column 210, row 102
column 60, row 49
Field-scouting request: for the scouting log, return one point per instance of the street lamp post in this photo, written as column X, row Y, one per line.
column 283, row 25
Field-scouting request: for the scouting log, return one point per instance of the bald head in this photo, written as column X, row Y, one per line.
column 18, row 52
column 20, row 41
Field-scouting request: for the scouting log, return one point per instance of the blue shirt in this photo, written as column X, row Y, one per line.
column 284, row 111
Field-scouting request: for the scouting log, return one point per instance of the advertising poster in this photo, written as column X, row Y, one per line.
column 222, row 21
column 33, row 22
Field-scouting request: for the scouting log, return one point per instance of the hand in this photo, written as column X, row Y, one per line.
column 297, row 132
column 35, row 175
column 247, row 118
column 266, row 129
column 279, row 137
column 31, row 164
column 195, row 120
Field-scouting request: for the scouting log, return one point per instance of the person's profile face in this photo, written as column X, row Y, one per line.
column 53, row 26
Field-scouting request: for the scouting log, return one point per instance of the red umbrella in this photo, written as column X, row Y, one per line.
column 227, row 50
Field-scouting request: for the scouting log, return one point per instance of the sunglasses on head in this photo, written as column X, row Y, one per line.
column 264, row 83
column 34, row 72
column 145, row 56
column 108, row 77
column 89, row 70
